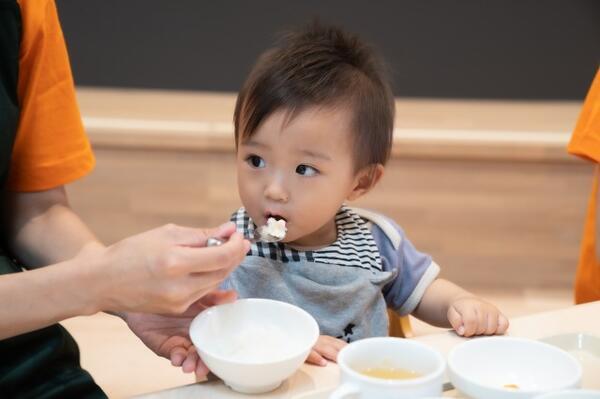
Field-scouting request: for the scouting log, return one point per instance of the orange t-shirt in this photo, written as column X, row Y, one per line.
column 585, row 142
column 51, row 148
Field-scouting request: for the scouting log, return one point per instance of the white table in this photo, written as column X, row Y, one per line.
column 576, row 319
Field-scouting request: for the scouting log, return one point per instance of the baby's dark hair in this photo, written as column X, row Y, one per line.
column 322, row 66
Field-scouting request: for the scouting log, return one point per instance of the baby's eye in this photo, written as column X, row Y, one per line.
column 306, row 170
column 255, row 161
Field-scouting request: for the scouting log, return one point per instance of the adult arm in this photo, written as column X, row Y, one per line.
column 164, row 270
column 43, row 229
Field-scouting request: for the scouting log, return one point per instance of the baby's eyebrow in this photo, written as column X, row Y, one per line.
column 314, row 154
column 253, row 143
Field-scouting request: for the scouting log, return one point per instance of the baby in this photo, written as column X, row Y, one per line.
column 313, row 130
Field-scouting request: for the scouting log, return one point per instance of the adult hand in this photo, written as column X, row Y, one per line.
column 168, row 335
column 164, row 270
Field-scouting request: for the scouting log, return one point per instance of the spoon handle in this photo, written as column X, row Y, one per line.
column 215, row 242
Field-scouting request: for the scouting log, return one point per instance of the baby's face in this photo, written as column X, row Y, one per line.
column 299, row 170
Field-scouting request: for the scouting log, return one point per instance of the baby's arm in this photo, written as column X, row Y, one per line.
column 445, row 304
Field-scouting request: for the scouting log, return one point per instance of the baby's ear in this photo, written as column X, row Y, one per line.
column 365, row 180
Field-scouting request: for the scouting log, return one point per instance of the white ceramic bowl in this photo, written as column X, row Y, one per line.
column 571, row 394
column 483, row 368
column 253, row 345
column 394, row 353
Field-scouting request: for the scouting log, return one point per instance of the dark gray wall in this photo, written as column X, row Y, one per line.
column 523, row 49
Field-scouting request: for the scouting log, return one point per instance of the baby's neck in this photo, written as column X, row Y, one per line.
column 320, row 238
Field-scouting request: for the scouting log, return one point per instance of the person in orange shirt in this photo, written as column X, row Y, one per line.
column 51, row 266
column 585, row 143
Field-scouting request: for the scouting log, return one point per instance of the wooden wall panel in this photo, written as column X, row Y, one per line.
column 488, row 223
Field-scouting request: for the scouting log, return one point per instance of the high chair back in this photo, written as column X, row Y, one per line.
column 399, row 325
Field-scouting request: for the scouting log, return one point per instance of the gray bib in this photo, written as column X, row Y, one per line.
column 339, row 285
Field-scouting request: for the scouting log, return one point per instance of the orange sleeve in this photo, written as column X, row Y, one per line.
column 587, row 278
column 51, row 148
column 585, row 141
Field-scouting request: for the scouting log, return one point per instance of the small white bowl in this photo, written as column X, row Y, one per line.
column 253, row 345
column 391, row 353
column 571, row 394
column 484, row 368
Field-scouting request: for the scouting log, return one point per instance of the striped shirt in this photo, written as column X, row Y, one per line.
column 345, row 286
column 354, row 246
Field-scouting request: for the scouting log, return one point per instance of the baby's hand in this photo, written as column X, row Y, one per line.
column 326, row 348
column 470, row 315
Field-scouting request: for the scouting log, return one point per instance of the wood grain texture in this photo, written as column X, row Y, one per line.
column 492, row 211
column 487, row 223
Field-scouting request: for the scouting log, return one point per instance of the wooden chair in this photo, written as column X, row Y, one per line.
column 399, row 325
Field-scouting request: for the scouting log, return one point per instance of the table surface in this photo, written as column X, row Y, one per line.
column 576, row 319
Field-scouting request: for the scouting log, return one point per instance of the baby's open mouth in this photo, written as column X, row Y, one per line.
column 274, row 216
column 275, row 226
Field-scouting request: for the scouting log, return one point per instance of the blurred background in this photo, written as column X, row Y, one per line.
column 507, row 49
column 487, row 96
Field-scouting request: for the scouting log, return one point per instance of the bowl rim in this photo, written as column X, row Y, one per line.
column 438, row 372
column 206, row 313
column 451, row 360
column 550, row 395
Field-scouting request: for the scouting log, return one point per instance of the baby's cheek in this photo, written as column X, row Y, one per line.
column 291, row 235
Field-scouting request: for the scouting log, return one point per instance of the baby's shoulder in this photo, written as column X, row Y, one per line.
column 385, row 231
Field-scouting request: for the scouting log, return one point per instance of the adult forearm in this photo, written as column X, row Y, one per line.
column 35, row 299
column 436, row 301
column 53, row 237
column 44, row 229
column 164, row 270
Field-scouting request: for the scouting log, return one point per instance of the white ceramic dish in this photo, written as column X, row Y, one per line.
column 253, row 345
column 586, row 349
column 321, row 394
column 394, row 353
column 511, row 368
column 571, row 394
column 326, row 393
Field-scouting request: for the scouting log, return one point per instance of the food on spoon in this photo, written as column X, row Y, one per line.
column 275, row 228
column 511, row 386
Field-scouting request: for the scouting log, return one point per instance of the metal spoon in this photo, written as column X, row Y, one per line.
column 259, row 235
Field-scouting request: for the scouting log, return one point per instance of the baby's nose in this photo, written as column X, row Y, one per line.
column 276, row 192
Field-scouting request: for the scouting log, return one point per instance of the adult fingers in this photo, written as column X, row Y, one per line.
column 178, row 355
column 218, row 297
column 201, row 369
column 189, row 292
column 202, row 260
column 190, row 363
column 223, row 231
column 212, row 298
column 195, row 237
